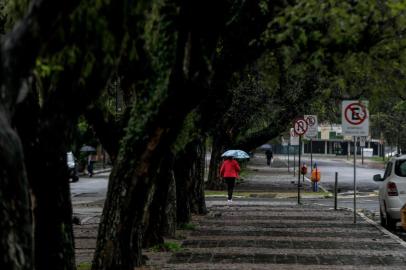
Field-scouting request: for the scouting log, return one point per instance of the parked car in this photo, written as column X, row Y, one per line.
column 72, row 167
column 392, row 192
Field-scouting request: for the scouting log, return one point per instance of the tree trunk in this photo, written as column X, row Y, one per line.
column 214, row 181
column 162, row 213
column 198, row 201
column 45, row 149
column 54, row 248
column 19, row 50
column 154, row 125
column 16, row 237
column 183, row 180
column 189, row 173
column 125, row 216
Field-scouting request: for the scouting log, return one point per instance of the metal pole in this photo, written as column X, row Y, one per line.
column 335, row 191
column 311, row 153
column 355, row 180
column 294, row 161
column 383, row 152
column 288, row 156
column 362, row 155
column 298, row 173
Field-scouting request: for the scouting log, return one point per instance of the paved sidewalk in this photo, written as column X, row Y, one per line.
column 271, row 233
column 267, row 230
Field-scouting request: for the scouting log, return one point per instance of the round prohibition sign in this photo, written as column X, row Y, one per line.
column 310, row 120
column 300, row 127
column 355, row 113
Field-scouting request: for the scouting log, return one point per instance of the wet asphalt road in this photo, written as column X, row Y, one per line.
column 345, row 169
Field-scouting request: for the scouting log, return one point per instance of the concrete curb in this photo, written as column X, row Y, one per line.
column 378, row 226
column 382, row 229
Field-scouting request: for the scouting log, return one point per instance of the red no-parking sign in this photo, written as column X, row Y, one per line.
column 300, row 126
column 355, row 118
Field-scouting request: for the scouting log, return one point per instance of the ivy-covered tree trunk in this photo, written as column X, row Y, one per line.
column 214, row 181
column 162, row 213
column 187, row 40
column 19, row 50
column 183, row 179
column 198, row 201
column 189, row 173
column 16, row 238
column 54, row 248
column 45, row 148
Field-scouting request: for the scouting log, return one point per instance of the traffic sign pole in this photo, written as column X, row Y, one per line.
column 298, row 174
column 355, row 122
column 288, row 156
column 311, row 153
column 299, row 127
column 355, row 180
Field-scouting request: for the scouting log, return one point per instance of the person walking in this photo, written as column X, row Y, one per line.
column 269, row 156
column 229, row 172
column 90, row 164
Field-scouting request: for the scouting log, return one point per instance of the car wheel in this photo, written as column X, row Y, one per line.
column 383, row 219
column 390, row 223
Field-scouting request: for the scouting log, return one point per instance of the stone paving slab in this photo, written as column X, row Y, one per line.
column 290, row 259
column 305, row 239
column 276, row 241
column 293, row 244
column 338, row 250
column 230, row 266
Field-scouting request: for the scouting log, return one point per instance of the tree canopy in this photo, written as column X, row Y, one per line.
column 154, row 80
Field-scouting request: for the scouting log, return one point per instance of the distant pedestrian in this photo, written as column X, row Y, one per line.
column 229, row 172
column 269, row 156
column 90, row 164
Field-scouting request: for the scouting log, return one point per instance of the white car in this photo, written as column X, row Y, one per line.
column 392, row 191
column 72, row 167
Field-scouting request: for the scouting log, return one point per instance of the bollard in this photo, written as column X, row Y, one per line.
column 315, row 177
column 335, row 191
column 303, row 171
column 315, row 187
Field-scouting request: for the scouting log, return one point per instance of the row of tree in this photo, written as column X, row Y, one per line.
column 155, row 80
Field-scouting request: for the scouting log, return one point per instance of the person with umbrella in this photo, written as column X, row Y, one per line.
column 90, row 158
column 269, row 156
column 229, row 172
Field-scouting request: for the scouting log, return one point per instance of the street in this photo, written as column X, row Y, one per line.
column 90, row 186
column 329, row 166
column 91, row 191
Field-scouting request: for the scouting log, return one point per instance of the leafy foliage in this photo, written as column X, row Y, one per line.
column 167, row 246
column 187, row 226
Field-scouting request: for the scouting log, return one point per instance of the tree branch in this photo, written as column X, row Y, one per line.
column 24, row 43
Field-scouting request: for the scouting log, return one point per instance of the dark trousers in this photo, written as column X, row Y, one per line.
column 90, row 168
column 230, row 181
